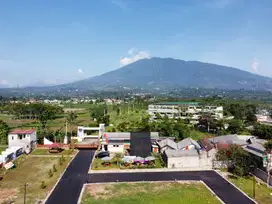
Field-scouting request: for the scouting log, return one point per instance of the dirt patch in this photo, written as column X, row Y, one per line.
column 8, row 194
column 95, row 190
column 109, row 190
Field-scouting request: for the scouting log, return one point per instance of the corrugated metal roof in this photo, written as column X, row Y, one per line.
column 168, row 142
column 22, row 131
column 181, row 153
column 186, row 142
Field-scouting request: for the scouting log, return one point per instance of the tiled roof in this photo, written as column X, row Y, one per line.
column 22, row 131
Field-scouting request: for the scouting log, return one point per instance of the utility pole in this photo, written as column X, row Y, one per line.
column 25, row 193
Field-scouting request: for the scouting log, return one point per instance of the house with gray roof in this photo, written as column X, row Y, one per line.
column 188, row 143
column 167, row 144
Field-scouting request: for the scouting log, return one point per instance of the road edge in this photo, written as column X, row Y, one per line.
column 254, row 201
column 48, row 195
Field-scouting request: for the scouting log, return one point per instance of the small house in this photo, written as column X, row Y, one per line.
column 26, row 139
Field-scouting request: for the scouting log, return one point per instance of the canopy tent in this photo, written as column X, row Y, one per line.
column 106, row 159
column 150, row 158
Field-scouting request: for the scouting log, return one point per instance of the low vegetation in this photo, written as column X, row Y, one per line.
column 38, row 151
column 263, row 195
column 34, row 172
column 145, row 193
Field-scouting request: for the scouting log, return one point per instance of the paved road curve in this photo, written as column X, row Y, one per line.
column 69, row 187
column 223, row 189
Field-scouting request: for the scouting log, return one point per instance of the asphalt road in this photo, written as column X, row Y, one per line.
column 69, row 187
column 223, row 189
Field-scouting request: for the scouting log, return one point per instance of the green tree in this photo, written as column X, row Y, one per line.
column 235, row 126
column 4, row 130
column 239, row 159
column 71, row 118
column 268, row 145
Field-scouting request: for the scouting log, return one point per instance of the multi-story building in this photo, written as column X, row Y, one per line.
column 184, row 110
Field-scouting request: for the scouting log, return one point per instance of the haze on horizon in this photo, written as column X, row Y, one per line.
column 53, row 42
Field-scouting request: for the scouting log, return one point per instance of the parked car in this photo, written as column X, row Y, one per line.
column 102, row 154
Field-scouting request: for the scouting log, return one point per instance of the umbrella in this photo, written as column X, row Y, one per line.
column 150, row 158
column 139, row 159
column 106, row 159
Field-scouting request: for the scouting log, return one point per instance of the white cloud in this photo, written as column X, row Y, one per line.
column 255, row 65
column 133, row 58
column 3, row 82
column 131, row 51
column 119, row 3
column 80, row 71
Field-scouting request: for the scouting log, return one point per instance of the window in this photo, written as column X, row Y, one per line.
column 115, row 145
column 12, row 138
column 20, row 137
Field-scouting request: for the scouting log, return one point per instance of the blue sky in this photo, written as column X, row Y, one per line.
column 62, row 41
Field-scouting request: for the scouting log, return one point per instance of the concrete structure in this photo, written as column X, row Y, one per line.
column 117, row 142
column 184, row 110
column 182, row 159
column 167, row 144
column 82, row 132
column 26, row 139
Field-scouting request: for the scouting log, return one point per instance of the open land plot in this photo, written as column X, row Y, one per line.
column 38, row 151
column 31, row 170
column 147, row 193
column 262, row 193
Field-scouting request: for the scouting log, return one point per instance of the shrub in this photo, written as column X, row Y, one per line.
column 43, row 185
column 60, row 161
column 54, row 168
column 50, row 173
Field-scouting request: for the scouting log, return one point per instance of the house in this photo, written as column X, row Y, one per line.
column 188, row 144
column 187, row 153
column 230, row 139
column 167, row 144
column 181, row 158
column 118, row 142
column 27, row 139
column 184, row 110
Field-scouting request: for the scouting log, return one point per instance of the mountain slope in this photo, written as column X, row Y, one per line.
column 167, row 72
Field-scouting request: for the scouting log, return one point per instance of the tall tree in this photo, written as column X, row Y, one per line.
column 71, row 118
column 235, row 126
column 4, row 130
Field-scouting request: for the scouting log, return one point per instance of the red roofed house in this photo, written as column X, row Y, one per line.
column 23, row 138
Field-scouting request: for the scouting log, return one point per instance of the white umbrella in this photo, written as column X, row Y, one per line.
column 106, row 159
column 150, row 158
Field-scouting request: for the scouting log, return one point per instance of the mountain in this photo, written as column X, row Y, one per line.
column 168, row 73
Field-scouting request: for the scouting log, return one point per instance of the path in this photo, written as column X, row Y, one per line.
column 69, row 187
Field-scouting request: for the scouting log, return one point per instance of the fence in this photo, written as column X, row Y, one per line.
column 262, row 175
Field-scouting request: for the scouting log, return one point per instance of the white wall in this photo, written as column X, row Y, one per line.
column 15, row 141
column 119, row 149
column 183, row 162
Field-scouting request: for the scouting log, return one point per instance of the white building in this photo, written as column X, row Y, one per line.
column 26, row 139
column 184, row 110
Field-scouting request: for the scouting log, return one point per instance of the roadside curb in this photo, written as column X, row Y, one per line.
column 236, row 187
column 81, row 193
column 211, row 191
column 143, row 170
column 170, row 181
column 44, row 201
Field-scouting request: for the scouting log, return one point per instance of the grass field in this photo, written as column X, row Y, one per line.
column 31, row 170
column 263, row 194
column 148, row 193
column 2, row 148
column 46, row 152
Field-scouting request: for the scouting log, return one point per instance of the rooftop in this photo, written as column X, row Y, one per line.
column 23, row 131
column 179, row 103
column 181, row 153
